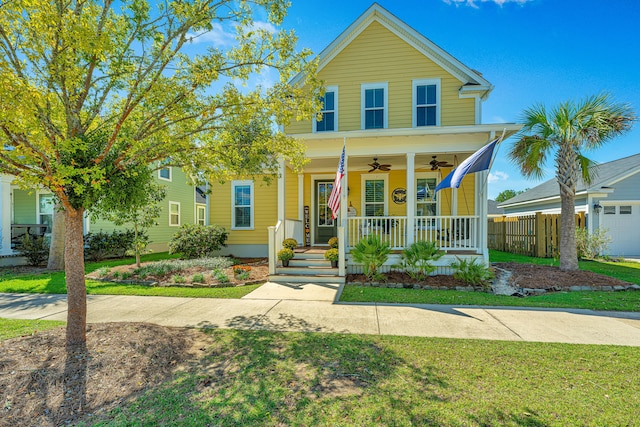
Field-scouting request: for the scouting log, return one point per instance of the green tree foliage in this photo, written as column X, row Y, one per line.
column 566, row 132
column 507, row 194
column 134, row 201
column 90, row 89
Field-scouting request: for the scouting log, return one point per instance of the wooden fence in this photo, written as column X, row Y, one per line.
column 534, row 235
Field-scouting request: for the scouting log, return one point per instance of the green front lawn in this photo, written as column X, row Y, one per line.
column 594, row 300
column 54, row 283
column 11, row 328
column 273, row 379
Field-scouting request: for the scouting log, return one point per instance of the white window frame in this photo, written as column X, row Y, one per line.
column 170, row 214
column 363, row 89
column 374, row 177
column 243, row 183
column 414, row 98
column 38, row 212
column 333, row 89
column 201, row 208
column 426, row 175
column 170, row 174
column 625, row 211
column 609, row 208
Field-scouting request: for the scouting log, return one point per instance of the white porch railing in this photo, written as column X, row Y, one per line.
column 276, row 236
column 294, row 228
column 449, row 232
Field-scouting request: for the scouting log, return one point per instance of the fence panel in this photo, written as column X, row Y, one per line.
column 534, row 235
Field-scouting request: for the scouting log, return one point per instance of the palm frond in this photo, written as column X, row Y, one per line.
column 588, row 169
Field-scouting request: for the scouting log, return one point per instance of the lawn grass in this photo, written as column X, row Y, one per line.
column 54, row 283
column 11, row 328
column 593, row 300
column 272, row 378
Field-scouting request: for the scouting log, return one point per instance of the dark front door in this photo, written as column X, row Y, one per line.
column 325, row 226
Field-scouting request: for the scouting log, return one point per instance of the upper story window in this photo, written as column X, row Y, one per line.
column 426, row 102
column 242, row 208
column 374, row 101
column 165, row 173
column 329, row 120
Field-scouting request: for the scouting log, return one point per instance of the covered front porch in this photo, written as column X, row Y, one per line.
column 396, row 201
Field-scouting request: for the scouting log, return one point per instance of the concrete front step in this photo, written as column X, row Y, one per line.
column 309, row 254
column 293, row 278
column 307, row 271
column 309, row 262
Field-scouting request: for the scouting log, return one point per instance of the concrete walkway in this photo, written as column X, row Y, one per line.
column 310, row 307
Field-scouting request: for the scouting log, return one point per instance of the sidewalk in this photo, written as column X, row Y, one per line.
column 312, row 308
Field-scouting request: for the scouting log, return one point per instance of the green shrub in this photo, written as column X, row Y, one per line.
column 34, row 248
column 372, row 253
column 103, row 271
column 178, row 279
column 169, row 266
column 285, row 254
column 472, row 273
column 333, row 243
column 100, row 245
column 417, row 258
column 198, row 241
column 198, row 278
column 221, row 276
column 290, row 243
column 332, row 255
column 590, row 245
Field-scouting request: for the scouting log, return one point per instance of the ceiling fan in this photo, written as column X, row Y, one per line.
column 435, row 164
column 377, row 166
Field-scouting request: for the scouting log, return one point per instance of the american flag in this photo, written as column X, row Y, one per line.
column 334, row 198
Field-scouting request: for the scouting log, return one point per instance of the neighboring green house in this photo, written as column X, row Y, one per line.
column 32, row 211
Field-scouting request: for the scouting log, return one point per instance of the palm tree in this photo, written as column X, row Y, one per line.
column 568, row 130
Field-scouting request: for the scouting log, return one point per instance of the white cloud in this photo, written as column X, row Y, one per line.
column 217, row 36
column 474, row 3
column 497, row 176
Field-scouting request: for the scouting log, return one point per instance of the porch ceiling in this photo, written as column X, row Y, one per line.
column 397, row 162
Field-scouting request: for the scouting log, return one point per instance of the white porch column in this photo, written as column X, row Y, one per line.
column 411, row 198
column 454, row 201
column 281, row 190
column 481, row 211
column 343, row 242
column 5, row 215
column 300, row 197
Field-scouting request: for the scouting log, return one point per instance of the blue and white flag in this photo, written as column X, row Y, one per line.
column 478, row 161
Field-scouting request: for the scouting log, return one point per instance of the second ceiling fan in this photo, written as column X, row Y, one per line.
column 377, row 166
column 435, row 164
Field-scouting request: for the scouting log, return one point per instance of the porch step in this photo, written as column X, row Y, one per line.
column 293, row 278
column 308, row 271
column 308, row 266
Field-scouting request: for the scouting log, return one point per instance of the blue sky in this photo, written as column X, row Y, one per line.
column 532, row 51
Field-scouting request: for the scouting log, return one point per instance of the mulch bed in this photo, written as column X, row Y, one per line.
column 43, row 385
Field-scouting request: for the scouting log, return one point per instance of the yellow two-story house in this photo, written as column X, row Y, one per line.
column 407, row 112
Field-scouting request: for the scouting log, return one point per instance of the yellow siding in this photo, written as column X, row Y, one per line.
column 467, row 196
column 291, row 194
column 265, row 203
column 377, row 55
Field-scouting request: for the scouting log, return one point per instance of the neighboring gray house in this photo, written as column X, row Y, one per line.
column 611, row 202
column 493, row 210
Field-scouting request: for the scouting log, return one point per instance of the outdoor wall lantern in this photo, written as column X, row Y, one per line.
column 597, row 207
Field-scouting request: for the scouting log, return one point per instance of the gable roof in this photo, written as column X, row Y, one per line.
column 607, row 175
column 471, row 80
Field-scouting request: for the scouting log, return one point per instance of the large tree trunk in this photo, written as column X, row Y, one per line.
column 56, row 250
column 74, row 269
column 568, row 250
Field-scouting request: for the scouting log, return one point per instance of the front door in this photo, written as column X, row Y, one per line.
column 325, row 226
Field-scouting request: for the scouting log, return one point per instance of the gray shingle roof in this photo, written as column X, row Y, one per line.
column 606, row 173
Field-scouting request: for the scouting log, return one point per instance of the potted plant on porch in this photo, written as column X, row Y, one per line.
column 285, row 255
column 333, row 256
